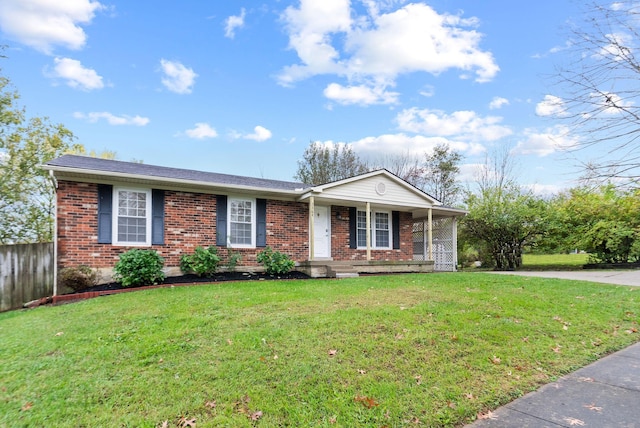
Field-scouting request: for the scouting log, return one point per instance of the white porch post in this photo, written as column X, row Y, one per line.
column 430, row 232
column 312, row 235
column 454, row 239
column 368, row 231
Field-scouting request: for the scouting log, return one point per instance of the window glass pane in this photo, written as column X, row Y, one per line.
column 132, row 216
column 361, row 225
column 382, row 229
column 240, row 222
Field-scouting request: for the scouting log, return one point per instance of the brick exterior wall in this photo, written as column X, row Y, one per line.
column 190, row 221
column 340, row 239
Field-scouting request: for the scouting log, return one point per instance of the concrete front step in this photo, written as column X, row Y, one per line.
column 347, row 275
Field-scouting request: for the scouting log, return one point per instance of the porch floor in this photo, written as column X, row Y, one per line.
column 351, row 268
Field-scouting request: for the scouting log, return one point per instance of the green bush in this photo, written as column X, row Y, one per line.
column 234, row 259
column 78, row 278
column 139, row 267
column 203, row 262
column 275, row 262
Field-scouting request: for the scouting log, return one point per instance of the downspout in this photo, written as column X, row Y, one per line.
column 368, row 231
column 312, row 235
column 55, row 234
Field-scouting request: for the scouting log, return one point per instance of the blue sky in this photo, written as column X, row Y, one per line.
column 242, row 87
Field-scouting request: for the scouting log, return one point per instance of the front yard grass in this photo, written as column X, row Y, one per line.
column 554, row 261
column 401, row 350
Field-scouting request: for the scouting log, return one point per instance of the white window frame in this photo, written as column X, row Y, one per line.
column 373, row 229
column 115, row 216
column 230, row 200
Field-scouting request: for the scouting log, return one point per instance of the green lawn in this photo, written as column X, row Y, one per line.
column 553, row 261
column 433, row 349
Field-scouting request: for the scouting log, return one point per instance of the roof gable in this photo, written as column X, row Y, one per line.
column 378, row 187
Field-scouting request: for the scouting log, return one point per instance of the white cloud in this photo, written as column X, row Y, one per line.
column 498, row 102
column 360, row 94
column 260, row 133
column 201, row 131
column 177, row 78
column 232, row 23
column 43, row 24
column 416, row 144
column 76, row 75
column 551, row 106
column 462, row 125
column 330, row 38
column 112, row 119
column 545, row 143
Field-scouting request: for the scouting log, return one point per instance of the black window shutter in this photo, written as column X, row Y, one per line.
column 221, row 220
column 395, row 225
column 353, row 233
column 261, row 222
column 157, row 217
column 105, row 203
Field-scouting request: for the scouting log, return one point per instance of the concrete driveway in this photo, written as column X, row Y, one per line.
column 621, row 277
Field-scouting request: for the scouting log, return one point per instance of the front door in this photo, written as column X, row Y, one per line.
column 322, row 233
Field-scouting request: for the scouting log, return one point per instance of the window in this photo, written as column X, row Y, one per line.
column 380, row 229
column 242, row 222
column 132, row 219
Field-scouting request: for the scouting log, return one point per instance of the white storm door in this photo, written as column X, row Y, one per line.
column 322, row 234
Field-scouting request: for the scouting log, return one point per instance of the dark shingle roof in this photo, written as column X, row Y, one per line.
column 140, row 169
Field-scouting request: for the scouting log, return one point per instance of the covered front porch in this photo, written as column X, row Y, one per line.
column 377, row 223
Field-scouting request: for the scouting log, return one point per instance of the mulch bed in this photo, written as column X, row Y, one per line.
column 194, row 279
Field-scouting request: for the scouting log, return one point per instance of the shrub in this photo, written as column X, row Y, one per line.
column 203, row 262
column 78, row 278
column 275, row 262
column 234, row 259
column 139, row 267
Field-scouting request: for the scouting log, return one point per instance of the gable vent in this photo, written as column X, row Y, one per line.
column 381, row 188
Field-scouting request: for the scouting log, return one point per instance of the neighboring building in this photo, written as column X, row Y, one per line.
column 106, row 207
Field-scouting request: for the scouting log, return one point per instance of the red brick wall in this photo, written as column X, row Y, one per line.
column 190, row 221
column 340, row 239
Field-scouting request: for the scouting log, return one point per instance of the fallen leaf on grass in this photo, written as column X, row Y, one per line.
column 26, row 406
column 367, row 402
column 332, row 352
column 418, row 379
column 574, row 421
column 556, row 349
column 211, row 404
column 469, row 396
column 256, row 415
column 362, row 371
column 495, row 360
column 60, row 333
column 165, row 424
column 631, row 330
column 184, row 422
column 230, row 342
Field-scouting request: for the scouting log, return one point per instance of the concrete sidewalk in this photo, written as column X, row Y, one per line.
column 620, row 277
column 603, row 394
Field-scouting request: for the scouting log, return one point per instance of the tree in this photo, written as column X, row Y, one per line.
column 441, row 171
column 26, row 191
column 598, row 93
column 323, row 164
column 503, row 217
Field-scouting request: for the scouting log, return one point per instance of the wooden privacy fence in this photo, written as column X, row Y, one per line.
column 26, row 273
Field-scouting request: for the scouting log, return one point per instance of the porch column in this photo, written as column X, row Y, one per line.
column 368, row 231
column 454, row 239
column 430, row 233
column 312, row 234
